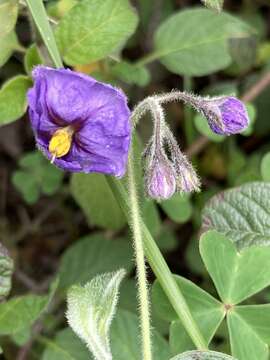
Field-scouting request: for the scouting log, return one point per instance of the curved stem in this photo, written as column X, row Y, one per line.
column 140, row 262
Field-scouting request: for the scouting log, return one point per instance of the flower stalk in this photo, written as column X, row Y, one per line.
column 143, row 295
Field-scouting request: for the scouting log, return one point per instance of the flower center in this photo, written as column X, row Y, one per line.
column 60, row 142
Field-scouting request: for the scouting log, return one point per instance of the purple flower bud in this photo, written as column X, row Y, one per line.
column 187, row 179
column 160, row 180
column 80, row 124
column 225, row 115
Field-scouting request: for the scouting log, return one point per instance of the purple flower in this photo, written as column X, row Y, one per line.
column 225, row 115
column 80, row 124
column 160, row 182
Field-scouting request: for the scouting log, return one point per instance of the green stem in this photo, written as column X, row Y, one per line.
column 135, row 222
column 148, row 59
column 39, row 14
column 160, row 268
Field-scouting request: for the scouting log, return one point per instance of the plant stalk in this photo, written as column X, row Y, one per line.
column 160, row 268
column 135, row 224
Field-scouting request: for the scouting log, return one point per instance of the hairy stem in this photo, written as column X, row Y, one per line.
column 140, row 261
column 160, row 268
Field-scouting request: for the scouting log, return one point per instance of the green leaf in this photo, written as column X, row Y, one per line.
column 8, row 44
column 94, row 29
column 178, row 208
column 13, row 102
column 125, row 339
column 265, row 167
column 214, row 4
column 237, row 275
column 201, row 47
column 207, row 312
column 92, row 255
column 6, row 270
column 131, row 74
column 21, row 312
column 90, row 310
column 245, row 343
column 36, row 176
column 97, row 201
column 39, row 14
column 252, row 113
column 32, row 58
column 203, row 355
column 65, row 346
column 151, row 216
column 166, row 239
column 257, row 317
column 8, row 16
column 241, row 214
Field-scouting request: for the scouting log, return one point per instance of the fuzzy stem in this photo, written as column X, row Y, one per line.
column 160, row 268
column 140, row 261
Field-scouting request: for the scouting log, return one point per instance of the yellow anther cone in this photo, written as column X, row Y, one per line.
column 60, row 142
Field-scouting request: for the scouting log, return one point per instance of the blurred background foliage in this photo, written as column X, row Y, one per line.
column 71, row 225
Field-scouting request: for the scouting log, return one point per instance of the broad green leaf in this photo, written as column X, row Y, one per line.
column 65, row 346
column 13, row 102
column 131, row 74
column 90, row 310
column 237, row 275
column 245, row 343
column 6, row 270
column 60, row 8
column 92, row 255
column 36, row 176
column 8, row 16
column 241, row 214
column 125, row 339
column 265, row 167
column 94, row 29
column 256, row 317
column 207, row 312
column 203, row 355
column 201, row 47
column 96, row 199
column 178, row 208
column 214, row 4
column 8, row 44
column 21, row 312
column 32, row 58
column 166, row 240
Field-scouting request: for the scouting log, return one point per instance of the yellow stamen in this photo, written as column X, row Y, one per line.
column 60, row 142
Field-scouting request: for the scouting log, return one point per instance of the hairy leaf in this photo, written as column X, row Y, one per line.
column 203, row 355
column 90, row 311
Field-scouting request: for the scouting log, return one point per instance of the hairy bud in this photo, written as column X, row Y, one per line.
column 160, row 181
column 226, row 115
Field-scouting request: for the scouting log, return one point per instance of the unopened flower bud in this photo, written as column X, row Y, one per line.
column 225, row 115
column 160, row 180
column 187, row 179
